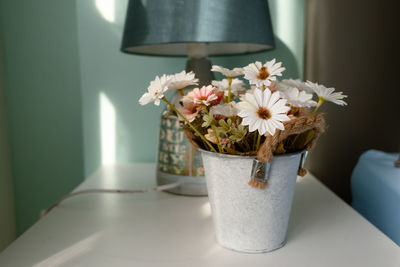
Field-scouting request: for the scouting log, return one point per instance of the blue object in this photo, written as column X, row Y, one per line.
column 375, row 185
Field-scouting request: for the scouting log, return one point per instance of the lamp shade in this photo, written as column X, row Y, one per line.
column 222, row 27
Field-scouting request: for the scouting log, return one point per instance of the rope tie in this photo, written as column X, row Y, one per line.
column 296, row 125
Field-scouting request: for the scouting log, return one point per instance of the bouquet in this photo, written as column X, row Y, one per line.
column 228, row 117
column 260, row 117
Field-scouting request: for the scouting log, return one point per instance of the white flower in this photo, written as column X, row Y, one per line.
column 227, row 72
column 263, row 111
column 290, row 83
column 237, row 86
column 327, row 94
column 182, row 79
column 260, row 75
column 205, row 96
column 298, row 99
column 242, row 97
column 156, row 90
column 226, row 109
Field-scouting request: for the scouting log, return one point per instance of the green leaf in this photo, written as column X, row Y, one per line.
column 208, row 120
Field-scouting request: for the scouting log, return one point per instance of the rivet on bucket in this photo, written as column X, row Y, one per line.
column 260, row 173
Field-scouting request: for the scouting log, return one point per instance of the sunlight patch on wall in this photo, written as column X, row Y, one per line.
column 106, row 9
column 107, row 130
column 287, row 18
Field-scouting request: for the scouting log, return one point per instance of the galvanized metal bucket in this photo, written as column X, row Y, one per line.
column 248, row 219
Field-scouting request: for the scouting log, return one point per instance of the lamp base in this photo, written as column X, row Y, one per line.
column 192, row 185
column 202, row 68
column 177, row 158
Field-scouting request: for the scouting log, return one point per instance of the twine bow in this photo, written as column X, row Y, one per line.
column 296, row 125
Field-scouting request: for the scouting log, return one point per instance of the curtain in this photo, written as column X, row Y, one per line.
column 7, row 221
column 351, row 46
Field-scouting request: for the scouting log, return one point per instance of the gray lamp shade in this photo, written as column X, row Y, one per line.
column 223, row 27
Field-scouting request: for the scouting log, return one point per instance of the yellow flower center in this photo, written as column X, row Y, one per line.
column 263, row 74
column 263, row 113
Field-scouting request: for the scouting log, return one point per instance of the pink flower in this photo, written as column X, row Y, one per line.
column 189, row 109
column 219, row 94
column 210, row 136
column 204, row 96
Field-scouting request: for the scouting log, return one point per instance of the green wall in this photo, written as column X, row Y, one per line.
column 7, row 212
column 122, row 79
column 67, row 83
column 42, row 83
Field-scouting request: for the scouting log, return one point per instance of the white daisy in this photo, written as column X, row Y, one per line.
column 297, row 98
column 242, row 97
column 290, row 83
column 327, row 94
column 227, row 72
column 156, row 90
column 263, row 111
column 260, row 75
column 182, row 79
column 237, row 86
column 226, row 109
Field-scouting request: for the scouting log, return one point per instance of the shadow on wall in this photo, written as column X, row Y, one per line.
column 345, row 56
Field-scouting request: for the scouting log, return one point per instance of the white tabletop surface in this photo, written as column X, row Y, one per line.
column 162, row 229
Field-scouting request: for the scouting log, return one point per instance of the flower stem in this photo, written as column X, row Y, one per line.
column 217, row 139
column 320, row 102
column 293, row 142
column 258, row 141
column 191, row 126
column 204, row 107
column 229, row 89
column 254, row 140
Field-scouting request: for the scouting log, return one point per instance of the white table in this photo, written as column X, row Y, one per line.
column 161, row 229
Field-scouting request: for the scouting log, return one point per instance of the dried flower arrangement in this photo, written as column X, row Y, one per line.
column 271, row 117
column 224, row 117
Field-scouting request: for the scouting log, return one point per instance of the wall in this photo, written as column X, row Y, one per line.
column 7, row 213
column 44, row 102
column 112, row 82
column 356, row 54
column 72, row 97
